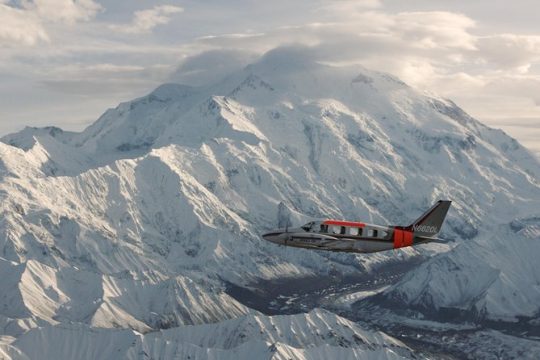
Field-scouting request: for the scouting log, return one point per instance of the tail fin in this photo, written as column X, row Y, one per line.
column 429, row 224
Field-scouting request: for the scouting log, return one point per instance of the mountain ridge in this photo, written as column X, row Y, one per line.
column 170, row 192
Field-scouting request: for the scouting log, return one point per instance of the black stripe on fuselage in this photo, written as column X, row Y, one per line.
column 300, row 238
column 341, row 237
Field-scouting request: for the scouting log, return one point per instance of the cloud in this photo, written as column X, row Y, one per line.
column 491, row 76
column 347, row 7
column 416, row 32
column 211, row 66
column 19, row 28
column 416, row 46
column 104, row 79
column 510, row 50
column 26, row 24
column 435, row 29
column 145, row 20
column 69, row 54
column 65, row 11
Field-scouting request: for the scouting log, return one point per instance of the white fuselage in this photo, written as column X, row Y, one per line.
column 353, row 236
column 299, row 237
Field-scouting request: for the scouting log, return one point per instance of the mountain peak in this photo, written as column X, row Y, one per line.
column 143, row 220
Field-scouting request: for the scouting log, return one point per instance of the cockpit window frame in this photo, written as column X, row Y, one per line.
column 308, row 227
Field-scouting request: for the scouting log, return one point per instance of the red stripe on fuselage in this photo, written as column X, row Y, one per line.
column 344, row 223
column 407, row 238
column 402, row 238
column 398, row 238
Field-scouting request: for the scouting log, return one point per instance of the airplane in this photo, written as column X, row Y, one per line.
column 359, row 237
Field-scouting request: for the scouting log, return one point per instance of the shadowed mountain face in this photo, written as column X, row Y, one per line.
column 137, row 221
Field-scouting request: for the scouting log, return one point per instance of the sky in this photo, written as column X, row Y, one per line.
column 64, row 62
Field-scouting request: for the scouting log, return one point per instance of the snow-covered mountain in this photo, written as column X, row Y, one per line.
column 139, row 221
column 315, row 335
column 496, row 277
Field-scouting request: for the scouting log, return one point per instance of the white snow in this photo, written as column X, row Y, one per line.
column 497, row 276
column 316, row 335
column 135, row 222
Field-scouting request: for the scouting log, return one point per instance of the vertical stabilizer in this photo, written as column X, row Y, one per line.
column 430, row 223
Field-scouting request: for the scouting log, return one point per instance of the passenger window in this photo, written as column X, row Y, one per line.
column 353, row 231
column 343, row 230
column 374, row 233
column 324, row 228
column 360, row 232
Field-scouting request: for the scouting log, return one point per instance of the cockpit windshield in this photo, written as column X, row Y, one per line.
column 308, row 226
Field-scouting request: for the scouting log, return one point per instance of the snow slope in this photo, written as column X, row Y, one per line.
column 497, row 277
column 137, row 221
column 316, row 335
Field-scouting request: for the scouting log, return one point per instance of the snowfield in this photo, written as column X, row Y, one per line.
column 316, row 335
column 112, row 235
